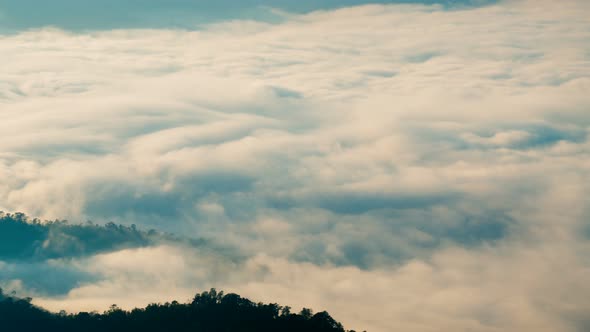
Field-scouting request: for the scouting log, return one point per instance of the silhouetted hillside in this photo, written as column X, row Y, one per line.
column 30, row 239
column 210, row 311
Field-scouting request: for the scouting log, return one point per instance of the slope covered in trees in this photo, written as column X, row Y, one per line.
column 210, row 311
column 30, row 239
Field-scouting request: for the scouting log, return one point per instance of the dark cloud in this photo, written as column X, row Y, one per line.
column 358, row 203
column 399, row 236
column 118, row 200
column 544, row 135
column 286, row 93
column 47, row 278
column 422, row 57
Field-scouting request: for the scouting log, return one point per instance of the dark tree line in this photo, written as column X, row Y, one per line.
column 30, row 239
column 210, row 311
column 23, row 238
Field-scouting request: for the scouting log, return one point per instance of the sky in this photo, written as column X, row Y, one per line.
column 185, row 14
column 415, row 166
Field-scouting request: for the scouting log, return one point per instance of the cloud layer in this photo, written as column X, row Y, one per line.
column 439, row 158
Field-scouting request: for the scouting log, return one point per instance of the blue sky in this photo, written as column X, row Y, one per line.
column 439, row 156
column 188, row 14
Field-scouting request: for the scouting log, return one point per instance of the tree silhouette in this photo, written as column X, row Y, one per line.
column 209, row 311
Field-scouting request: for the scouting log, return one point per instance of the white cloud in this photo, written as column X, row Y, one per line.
column 386, row 145
column 506, row 288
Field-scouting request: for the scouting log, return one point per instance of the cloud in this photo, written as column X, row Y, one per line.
column 439, row 157
column 493, row 289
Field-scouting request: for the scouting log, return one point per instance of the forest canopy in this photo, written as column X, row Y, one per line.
column 30, row 239
column 208, row 311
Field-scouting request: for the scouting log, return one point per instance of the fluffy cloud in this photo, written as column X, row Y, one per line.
column 493, row 289
column 440, row 157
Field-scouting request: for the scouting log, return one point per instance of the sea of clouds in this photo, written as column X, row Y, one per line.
column 405, row 167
